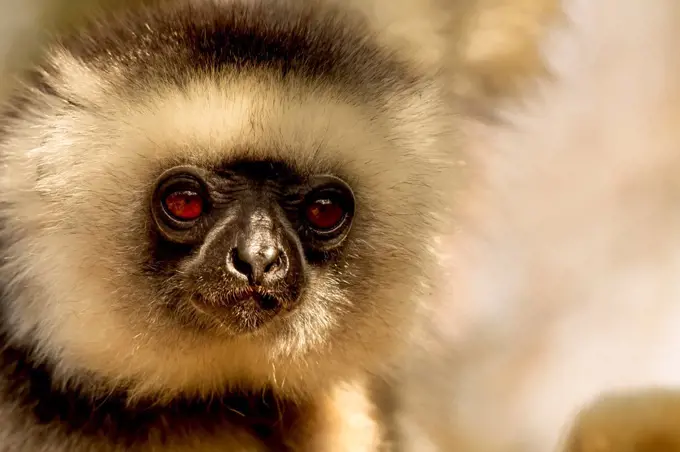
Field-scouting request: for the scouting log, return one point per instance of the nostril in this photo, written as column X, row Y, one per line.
column 256, row 263
column 275, row 264
column 240, row 265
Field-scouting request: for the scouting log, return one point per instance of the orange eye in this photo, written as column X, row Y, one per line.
column 184, row 205
column 324, row 214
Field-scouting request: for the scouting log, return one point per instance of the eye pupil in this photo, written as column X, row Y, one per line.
column 184, row 205
column 324, row 214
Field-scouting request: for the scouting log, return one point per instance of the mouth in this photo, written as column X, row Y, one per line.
column 240, row 311
column 266, row 300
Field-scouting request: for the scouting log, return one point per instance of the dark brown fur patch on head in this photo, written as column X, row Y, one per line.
column 174, row 42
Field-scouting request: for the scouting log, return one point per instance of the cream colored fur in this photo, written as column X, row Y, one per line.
column 563, row 286
column 81, row 176
column 82, row 321
column 88, row 312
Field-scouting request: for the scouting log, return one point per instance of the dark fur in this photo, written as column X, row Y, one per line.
column 70, row 410
column 172, row 41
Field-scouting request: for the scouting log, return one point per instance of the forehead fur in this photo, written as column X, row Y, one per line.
column 208, row 82
column 217, row 120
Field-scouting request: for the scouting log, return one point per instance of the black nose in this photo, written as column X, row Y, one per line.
column 261, row 262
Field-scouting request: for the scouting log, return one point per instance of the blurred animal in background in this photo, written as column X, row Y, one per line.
column 556, row 327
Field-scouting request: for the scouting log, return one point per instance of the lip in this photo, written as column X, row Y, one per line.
column 266, row 302
column 241, row 311
column 265, row 299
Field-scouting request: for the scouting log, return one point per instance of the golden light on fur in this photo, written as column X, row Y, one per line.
column 100, row 305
